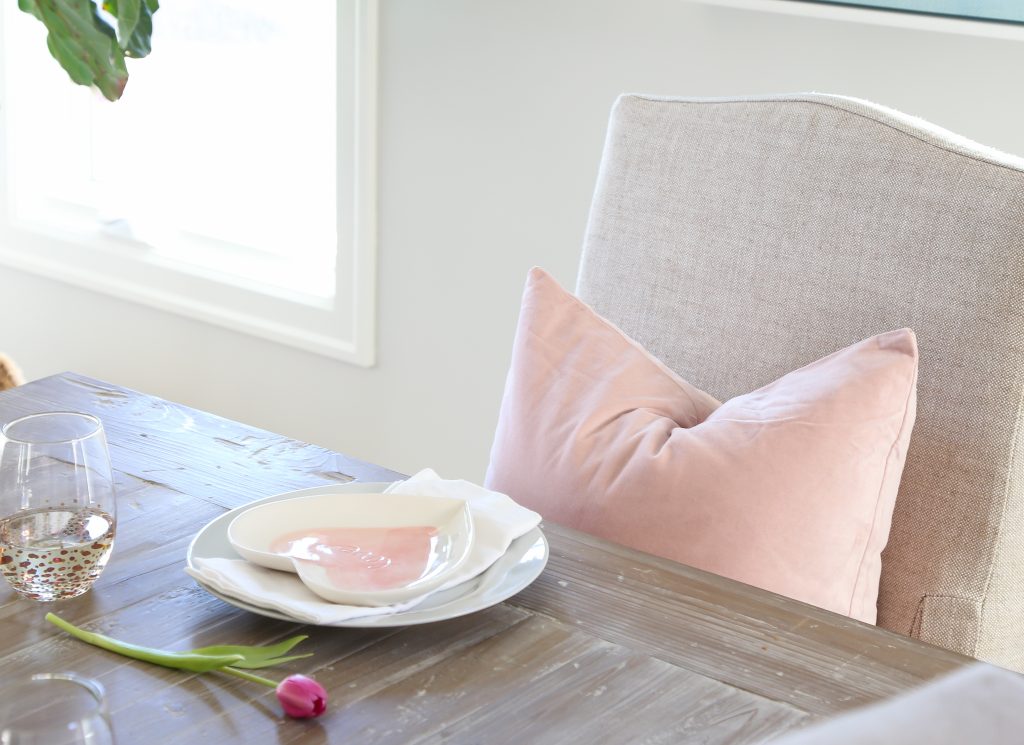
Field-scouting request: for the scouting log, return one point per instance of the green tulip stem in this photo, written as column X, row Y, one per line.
column 225, row 658
column 197, row 663
column 249, row 676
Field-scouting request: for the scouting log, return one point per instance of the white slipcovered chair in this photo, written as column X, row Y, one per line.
column 738, row 239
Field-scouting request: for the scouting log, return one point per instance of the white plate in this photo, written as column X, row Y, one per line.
column 514, row 571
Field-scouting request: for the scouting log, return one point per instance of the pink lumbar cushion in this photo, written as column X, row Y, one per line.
column 789, row 488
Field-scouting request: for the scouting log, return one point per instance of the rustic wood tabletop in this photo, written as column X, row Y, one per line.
column 609, row 645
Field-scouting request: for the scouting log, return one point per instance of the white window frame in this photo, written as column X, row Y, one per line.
column 343, row 329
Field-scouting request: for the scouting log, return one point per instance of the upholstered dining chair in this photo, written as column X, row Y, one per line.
column 738, row 239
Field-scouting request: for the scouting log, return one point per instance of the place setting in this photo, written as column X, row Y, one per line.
column 371, row 554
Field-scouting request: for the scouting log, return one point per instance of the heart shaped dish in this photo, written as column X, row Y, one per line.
column 359, row 549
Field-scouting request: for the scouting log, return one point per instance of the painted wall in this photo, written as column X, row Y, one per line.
column 492, row 121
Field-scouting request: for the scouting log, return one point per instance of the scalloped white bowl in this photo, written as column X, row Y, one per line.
column 253, row 532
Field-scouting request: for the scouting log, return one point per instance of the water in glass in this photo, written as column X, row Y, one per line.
column 57, row 507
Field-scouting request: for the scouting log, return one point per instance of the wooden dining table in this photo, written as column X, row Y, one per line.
column 608, row 645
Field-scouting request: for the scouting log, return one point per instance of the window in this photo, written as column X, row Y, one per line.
column 233, row 182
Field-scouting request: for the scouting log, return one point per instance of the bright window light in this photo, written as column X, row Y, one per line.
column 233, row 181
column 221, row 155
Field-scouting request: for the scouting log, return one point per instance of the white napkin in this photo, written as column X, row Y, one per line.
column 976, row 704
column 497, row 521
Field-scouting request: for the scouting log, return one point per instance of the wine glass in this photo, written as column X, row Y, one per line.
column 54, row 709
column 57, row 507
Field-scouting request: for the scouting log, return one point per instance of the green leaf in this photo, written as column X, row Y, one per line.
column 134, row 24
column 87, row 47
column 140, row 42
column 257, row 664
column 112, row 85
column 30, row 6
column 127, row 13
column 77, row 69
column 257, row 657
column 82, row 42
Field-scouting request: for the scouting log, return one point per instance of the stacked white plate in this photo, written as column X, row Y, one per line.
column 253, row 533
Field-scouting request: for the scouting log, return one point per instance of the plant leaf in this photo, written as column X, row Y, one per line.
column 76, row 69
column 257, row 664
column 127, row 13
column 30, row 6
column 139, row 42
column 82, row 42
column 257, row 657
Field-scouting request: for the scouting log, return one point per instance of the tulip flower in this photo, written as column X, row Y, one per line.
column 300, row 697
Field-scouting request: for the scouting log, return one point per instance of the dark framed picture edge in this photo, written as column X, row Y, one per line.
column 998, row 11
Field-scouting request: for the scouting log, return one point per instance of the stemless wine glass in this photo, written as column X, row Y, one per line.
column 54, row 709
column 57, row 508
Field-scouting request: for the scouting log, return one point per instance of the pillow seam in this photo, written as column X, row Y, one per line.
column 878, row 500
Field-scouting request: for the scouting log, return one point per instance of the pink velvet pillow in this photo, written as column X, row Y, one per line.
column 789, row 488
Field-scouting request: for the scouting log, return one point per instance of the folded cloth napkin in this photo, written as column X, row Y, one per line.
column 497, row 521
column 977, row 704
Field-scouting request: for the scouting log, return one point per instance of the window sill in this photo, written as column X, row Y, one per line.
column 321, row 330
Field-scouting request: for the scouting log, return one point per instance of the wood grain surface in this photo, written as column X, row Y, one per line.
column 609, row 645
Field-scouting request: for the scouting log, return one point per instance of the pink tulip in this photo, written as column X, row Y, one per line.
column 301, row 697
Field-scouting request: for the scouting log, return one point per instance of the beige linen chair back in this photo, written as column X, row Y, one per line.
column 739, row 239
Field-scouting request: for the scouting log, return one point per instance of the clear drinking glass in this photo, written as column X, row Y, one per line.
column 54, row 709
column 57, row 508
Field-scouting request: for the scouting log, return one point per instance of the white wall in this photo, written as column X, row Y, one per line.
column 492, row 120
